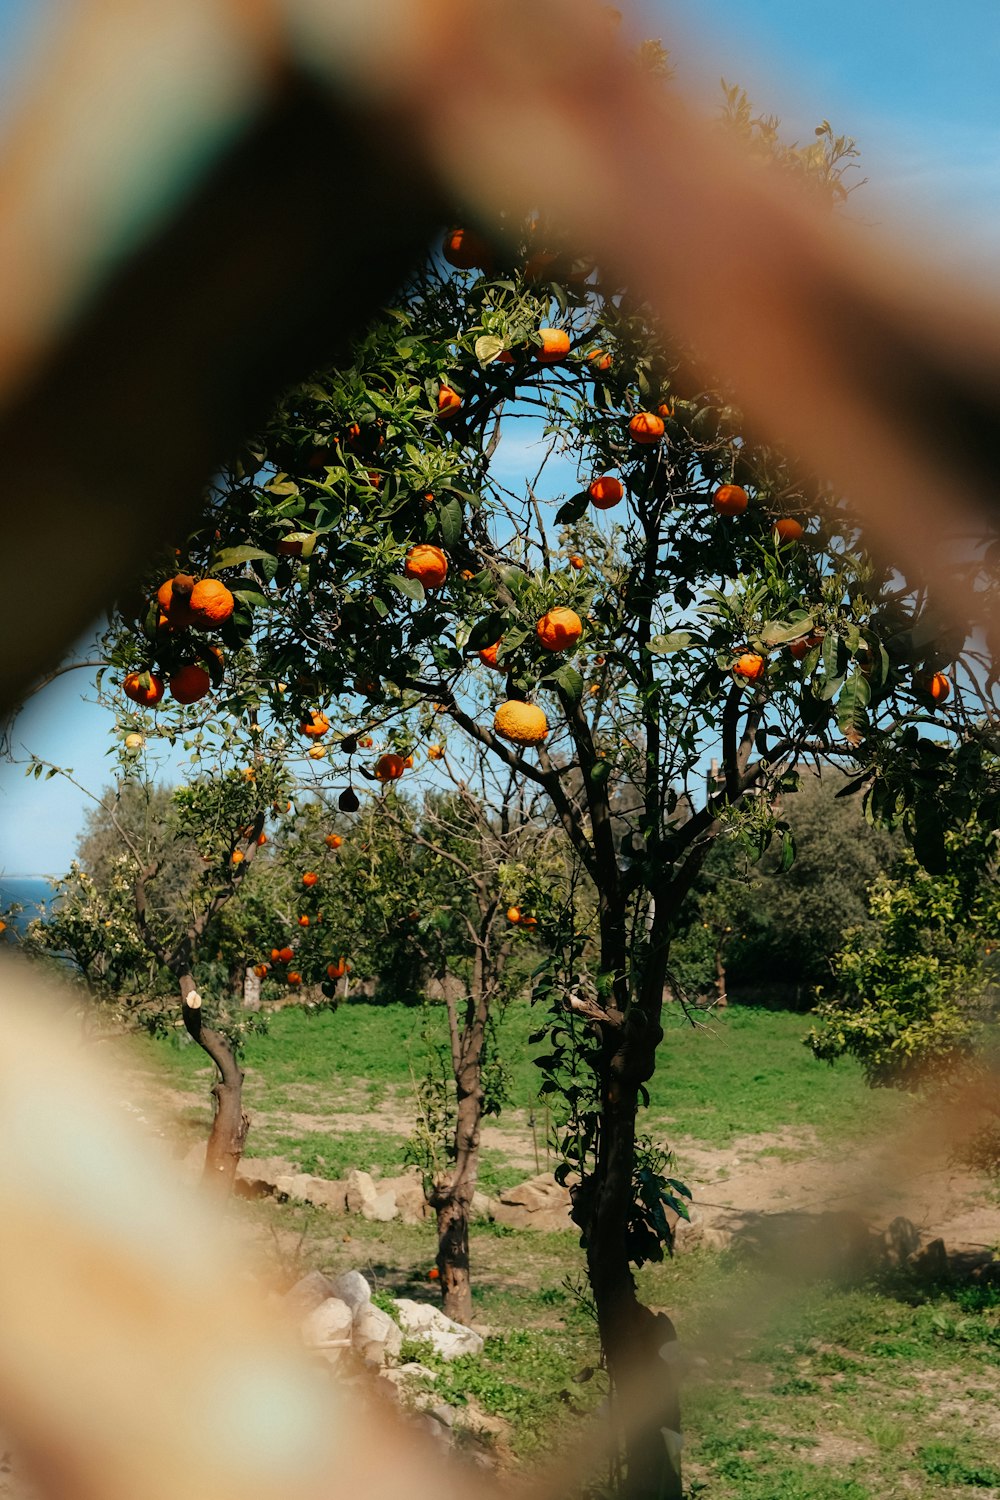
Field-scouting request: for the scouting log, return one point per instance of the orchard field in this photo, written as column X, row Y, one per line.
column 807, row 1385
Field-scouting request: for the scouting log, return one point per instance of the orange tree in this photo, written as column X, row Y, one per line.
column 697, row 597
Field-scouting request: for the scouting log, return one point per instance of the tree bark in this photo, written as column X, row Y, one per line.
column 251, row 989
column 721, row 998
column 230, row 1125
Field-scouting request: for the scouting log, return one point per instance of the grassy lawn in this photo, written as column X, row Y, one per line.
column 796, row 1392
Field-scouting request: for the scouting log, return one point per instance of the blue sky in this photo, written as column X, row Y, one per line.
column 915, row 83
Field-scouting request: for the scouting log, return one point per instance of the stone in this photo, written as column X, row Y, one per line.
column 403, row 1374
column 902, row 1239
column 307, row 1294
column 482, row 1206
column 316, row 1190
column 538, row 1203
column 411, row 1205
column 351, row 1287
column 376, row 1336
column 328, row 1324
column 931, row 1262
column 449, row 1339
column 381, row 1209
column 360, row 1190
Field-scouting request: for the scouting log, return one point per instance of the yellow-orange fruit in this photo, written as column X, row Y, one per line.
column 211, row 603
column 939, row 687
column 337, row 970
column 750, row 665
column 189, row 683
column 521, row 723
column 174, row 598
column 529, row 921
column 488, row 656
column 310, row 878
column 260, row 970
column 605, row 491
column 333, row 841
column 149, row 696
column 798, row 649
column 646, row 427
column 600, row 359
column 576, row 561
column 513, row 914
column 558, row 629
column 555, row 346
column 435, row 752
column 448, row 400
column 294, row 977
column 427, row 564
column 286, row 955
column 237, row 857
column 303, row 920
column 389, row 767
column 730, row 500
column 315, row 726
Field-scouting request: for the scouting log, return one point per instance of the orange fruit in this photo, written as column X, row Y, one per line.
column 513, row 914
column 275, row 955
column 408, row 763
column 600, row 359
column 521, row 723
column 316, row 752
column 576, row 561
column 189, row 683
column 294, row 977
column 435, row 752
column 310, row 878
column 467, row 251
column 427, row 564
column 366, row 742
column 315, row 725
column 558, row 629
column 260, row 970
column 433, row 1274
column 286, row 955
column 389, row 767
column 303, row 920
column 939, row 686
column 148, row 696
column 488, row 656
column 174, row 598
column 645, row 428
column 333, row 841
column 788, row 530
column 237, row 857
column 555, row 346
column 261, row 839
column 605, row 491
column 211, row 603
column 751, row 666
column 448, row 400
column 798, row 649
column 529, row 921
column 665, row 410
column 730, row 500
column 337, row 970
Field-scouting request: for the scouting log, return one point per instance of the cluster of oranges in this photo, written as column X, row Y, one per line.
column 183, row 603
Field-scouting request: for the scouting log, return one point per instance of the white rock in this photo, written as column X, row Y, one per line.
column 449, row 1339
column 351, row 1287
column 381, row 1209
column 307, row 1294
column 360, row 1190
column 376, row 1336
column 330, row 1323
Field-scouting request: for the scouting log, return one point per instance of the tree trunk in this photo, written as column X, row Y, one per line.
column 230, row 1125
column 251, row 989
column 721, row 999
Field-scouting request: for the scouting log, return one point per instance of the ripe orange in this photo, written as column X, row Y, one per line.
column 316, row 752
column 408, row 763
column 433, row 1274
column 237, row 857
column 389, row 767
column 261, row 839
column 310, row 878
column 529, row 921
column 427, row 564
column 286, row 955
column 488, row 656
column 365, row 742
column 730, row 500
column 315, row 725
column 646, row 427
column 294, row 977
column 189, row 683
column 558, row 629
column 600, row 359
column 939, row 687
column 211, row 603
column 513, row 914
column 333, row 841
column 751, row 666
column 665, row 410
column 276, row 955
column 174, row 598
column 149, row 696
column 435, row 752
column 303, row 920
column 788, row 530
column 260, row 970
column 466, row 250
column 798, row 649
column 467, row 574
column 605, row 491
column 555, row 346
column 448, row 400
column 337, row 970
column 576, row 561
column 521, row 723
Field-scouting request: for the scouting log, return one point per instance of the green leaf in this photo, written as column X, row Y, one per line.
column 573, row 509
column 411, row 587
column 487, row 347
column 663, row 645
column 251, row 597
column 779, row 632
column 234, row 557
column 450, row 519
column 600, row 772
column 570, row 682
column 787, row 850
column 487, row 630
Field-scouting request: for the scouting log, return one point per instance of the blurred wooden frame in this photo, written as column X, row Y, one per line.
column 199, row 202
